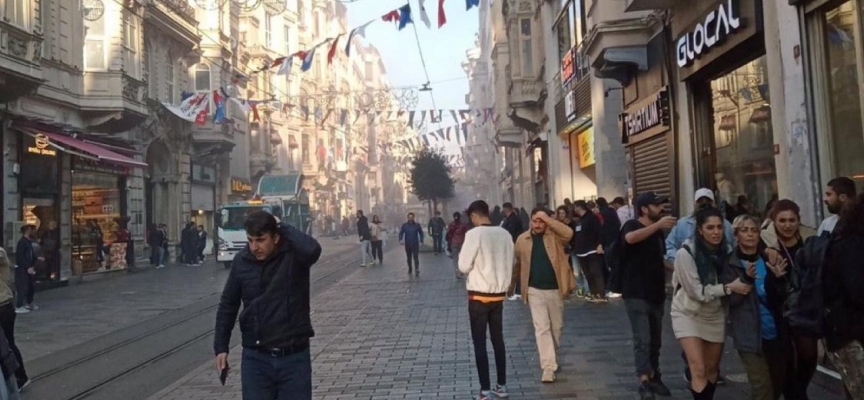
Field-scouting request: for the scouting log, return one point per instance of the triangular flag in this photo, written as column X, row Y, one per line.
column 464, row 114
column 471, row 3
column 392, row 16
column 332, row 51
column 455, row 118
column 432, row 118
column 285, row 66
column 307, row 60
column 423, row 16
column 441, row 133
column 305, row 110
column 422, row 117
column 405, row 16
column 327, row 115
column 442, row 18
column 359, row 113
column 411, row 119
column 343, row 117
column 360, row 30
column 426, row 140
column 465, row 131
column 448, row 133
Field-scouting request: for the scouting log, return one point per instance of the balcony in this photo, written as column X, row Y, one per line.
column 525, row 92
column 20, row 72
column 113, row 101
column 175, row 18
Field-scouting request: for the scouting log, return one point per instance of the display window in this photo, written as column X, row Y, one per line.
column 742, row 161
column 836, row 55
column 96, row 217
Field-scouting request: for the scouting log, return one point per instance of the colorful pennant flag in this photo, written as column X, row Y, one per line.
column 442, row 18
column 423, row 16
column 332, row 51
column 360, row 30
column 392, row 16
column 405, row 16
column 471, row 3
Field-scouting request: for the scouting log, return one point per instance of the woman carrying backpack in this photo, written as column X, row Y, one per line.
column 783, row 238
column 843, row 280
column 756, row 319
column 698, row 315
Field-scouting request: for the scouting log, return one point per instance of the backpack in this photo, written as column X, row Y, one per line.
column 804, row 308
column 615, row 261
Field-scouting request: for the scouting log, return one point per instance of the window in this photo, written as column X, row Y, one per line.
column 287, row 33
column 94, row 45
column 527, row 52
column 130, row 44
column 202, row 78
column 18, row 12
column 169, row 80
column 268, row 30
column 305, row 149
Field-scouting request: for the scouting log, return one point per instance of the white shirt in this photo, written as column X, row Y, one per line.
column 625, row 213
column 487, row 257
column 828, row 225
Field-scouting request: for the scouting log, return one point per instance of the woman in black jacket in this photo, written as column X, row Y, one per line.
column 756, row 319
column 843, row 280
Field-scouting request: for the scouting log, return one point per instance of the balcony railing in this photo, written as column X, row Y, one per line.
column 181, row 7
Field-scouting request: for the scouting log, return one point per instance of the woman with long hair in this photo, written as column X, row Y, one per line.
column 784, row 241
column 843, row 298
column 698, row 315
column 756, row 319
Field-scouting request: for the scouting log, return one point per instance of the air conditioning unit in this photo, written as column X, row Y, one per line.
column 13, row 232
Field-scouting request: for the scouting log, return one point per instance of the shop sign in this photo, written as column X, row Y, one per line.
column 585, row 140
column 240, row 186
column 85, row 165
column 719, row 23
column 568, row 67
column 40, row 146
column 647, row 116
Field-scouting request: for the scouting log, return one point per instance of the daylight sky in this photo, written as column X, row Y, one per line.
column 444, row 49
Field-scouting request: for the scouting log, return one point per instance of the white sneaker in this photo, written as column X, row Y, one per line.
column 613, row 295
column 32, row 307
column 21, row 310
column 515, row 297
column 160, row 266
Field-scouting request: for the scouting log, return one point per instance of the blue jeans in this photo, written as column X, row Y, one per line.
column 581, row 282
column 265, row 377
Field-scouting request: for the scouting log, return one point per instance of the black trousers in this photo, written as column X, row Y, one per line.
column 438, row 244
column 491, row 315
column 412, row 252
column 24, row 282
column 593, row 267
column 7, row 323
column 378, row 250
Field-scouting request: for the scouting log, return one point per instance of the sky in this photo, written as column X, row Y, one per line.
column 444, row 49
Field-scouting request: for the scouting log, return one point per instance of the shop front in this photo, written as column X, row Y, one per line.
column 241, row 188
column 100, row 235
column 646, row 135
column 39, row 185
column 720, row 54
column 834, row 50
column 203, row 201
column 572, row 118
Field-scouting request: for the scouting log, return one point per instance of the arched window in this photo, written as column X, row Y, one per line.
column 202, row 78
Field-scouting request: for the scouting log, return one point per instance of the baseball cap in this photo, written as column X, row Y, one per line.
column 648, row 198
column 703, row 193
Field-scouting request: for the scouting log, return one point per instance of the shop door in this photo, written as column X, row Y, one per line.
column 652, row 166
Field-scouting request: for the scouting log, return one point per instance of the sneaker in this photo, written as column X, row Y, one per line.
column 500, row 391
column 720, row 380
column 21, row 310
column 32, row 307
column 658, row 387
column 645, row 392
column 613, row 295
column 160, row 266
column 548, row 376
column 24, row 384
column 362, row 265
column 485, row 395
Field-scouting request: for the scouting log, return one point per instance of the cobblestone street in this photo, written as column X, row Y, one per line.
column 384, row 335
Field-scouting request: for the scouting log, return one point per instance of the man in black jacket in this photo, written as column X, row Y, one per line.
column 589, row 250
column 365, row 237
column 271, row 278
column 513, row 224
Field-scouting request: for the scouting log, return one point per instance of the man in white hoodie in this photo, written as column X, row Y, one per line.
column 487, row 260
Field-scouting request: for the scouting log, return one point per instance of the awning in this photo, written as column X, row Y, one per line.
column 80, row 148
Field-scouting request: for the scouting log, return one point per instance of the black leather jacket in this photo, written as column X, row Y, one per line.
column 274, row 293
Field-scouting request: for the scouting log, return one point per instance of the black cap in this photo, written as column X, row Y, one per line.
column 648, row 198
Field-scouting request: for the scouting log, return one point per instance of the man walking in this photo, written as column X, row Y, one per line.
column 270, row 276
column 839, row 192
column 201, row 243
column 544, row 272
column 25, row 271
column 643, row 282
column 455, row 238
column 589, row 250
column 157, row 253
column 487, row 260
column 513, row 224
column 411, row 235
column 365, row 237
column 436, row 230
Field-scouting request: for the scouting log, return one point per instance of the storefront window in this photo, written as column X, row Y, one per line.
column 844, row 95
column 744, row 172
column 96, row 214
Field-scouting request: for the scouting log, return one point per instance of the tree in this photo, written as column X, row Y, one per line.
column 430, row 177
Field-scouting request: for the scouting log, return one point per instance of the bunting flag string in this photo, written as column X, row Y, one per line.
column 442, row 18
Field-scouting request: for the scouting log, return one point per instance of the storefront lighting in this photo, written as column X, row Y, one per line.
column 200, row 212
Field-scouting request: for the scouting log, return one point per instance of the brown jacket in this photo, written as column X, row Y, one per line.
column 556, row 237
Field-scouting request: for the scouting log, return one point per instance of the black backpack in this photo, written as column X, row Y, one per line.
column 805, row 308
column 615, row 261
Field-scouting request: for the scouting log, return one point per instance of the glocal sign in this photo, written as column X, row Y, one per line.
column 719, row 23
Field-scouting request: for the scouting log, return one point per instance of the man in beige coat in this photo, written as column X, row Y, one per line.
column 546, row 280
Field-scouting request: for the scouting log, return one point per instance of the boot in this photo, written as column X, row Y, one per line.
column 703, row 395
column 709, row 390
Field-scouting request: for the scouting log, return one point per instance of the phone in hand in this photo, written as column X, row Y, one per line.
column 224, row 374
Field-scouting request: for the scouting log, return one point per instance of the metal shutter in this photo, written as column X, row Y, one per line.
column 652, row 166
